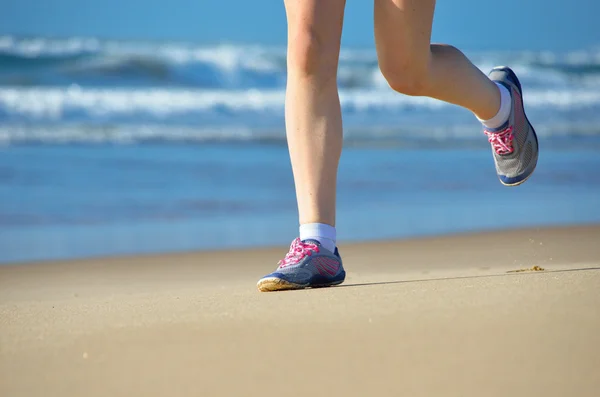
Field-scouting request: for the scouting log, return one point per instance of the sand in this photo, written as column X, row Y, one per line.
column 445, row 316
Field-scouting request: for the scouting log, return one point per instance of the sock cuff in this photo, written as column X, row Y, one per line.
column 318, row 230
column 504, row 111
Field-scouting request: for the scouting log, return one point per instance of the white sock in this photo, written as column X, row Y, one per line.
column 504, row 112
column 324, row 234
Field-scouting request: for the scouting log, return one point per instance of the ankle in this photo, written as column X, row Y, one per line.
column 321, row 232
column 503, row 112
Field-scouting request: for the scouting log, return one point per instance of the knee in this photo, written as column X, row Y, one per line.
column 310, row 55
column 408, row 76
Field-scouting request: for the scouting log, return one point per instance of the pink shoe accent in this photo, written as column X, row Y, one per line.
column 327, row 266
column 501, row 141
column 298, row 251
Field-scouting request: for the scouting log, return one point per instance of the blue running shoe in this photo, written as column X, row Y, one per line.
column 515, row 144
column 306, row 265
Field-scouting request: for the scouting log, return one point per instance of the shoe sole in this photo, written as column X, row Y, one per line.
column 271, row 284
column 509, row 71
column 520, row 182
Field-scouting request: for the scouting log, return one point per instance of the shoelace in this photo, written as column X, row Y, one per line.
column 298, row 250
column 502, row 141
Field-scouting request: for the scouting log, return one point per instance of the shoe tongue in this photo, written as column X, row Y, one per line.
column 311, row 241
column 498, row 129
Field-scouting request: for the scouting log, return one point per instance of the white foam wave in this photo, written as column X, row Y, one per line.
column 54, row 103
column 230, row 55
column 227, row 57
column 391, row 135
column 35, row 47
column 125, row 134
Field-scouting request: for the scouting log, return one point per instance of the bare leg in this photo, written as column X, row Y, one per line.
column 413, row 66
column 313, row 115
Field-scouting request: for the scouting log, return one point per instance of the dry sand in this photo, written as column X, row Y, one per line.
column 429, row 317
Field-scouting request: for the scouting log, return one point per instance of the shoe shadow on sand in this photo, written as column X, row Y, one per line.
column 510, row 273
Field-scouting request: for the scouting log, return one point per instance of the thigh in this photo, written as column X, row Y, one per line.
column 403, row 31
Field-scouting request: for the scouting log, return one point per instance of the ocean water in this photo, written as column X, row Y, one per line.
column 111, row 147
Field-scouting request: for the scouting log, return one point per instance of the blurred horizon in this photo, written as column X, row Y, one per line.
column 534, row 25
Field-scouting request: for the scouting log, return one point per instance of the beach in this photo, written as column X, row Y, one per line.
column 146, row 186
column 503, row 313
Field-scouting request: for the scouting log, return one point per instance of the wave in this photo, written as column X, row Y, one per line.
column 585, row 135
column 90, row 115
column 90, row 90
column 96, row 63
column 90, row 62
column 89, row 104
